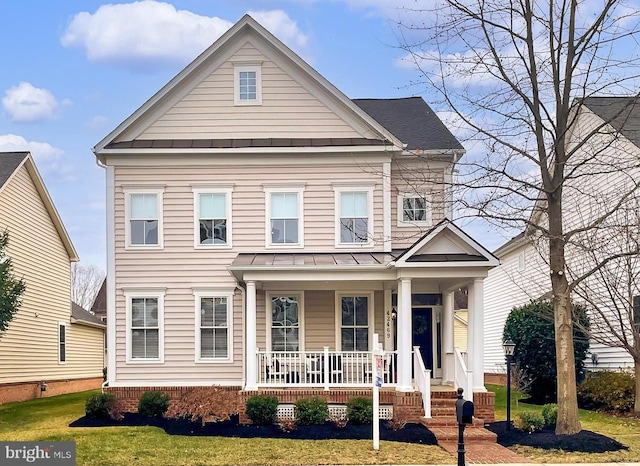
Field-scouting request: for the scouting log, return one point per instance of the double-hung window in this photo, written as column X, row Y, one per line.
column 285, row 322
column 354, row 212
column 62, row 343
column 414, row 209
column 354, row 322
column 143, row 212
column 145, row 326
column 284, row 220
column 212, row 222
column 247, row 84
column 213, row 326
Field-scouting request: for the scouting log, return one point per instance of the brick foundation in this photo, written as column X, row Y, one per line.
column 406, row 405
column 29, row 390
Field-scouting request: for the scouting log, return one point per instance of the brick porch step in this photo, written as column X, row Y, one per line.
column 471, row 435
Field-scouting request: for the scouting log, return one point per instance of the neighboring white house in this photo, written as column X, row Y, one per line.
column 50, row 342
column 612, row 167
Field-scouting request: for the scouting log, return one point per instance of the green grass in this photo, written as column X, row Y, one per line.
column 48, row 419
column 624, row 430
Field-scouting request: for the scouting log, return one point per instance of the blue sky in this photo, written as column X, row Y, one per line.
column 74, row 69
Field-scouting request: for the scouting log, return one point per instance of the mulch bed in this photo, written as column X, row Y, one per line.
column 584, row 441
column 411, row 433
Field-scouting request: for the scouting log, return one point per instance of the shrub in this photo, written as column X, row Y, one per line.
column 205, row 405
column 532, row 329
column 529, row 421
column 311, row 411
column 287, row 425
column 153, row 404
column 99, row 405
column 610, row 391
column 360, row 410
column 262, row 409
column 550, row 414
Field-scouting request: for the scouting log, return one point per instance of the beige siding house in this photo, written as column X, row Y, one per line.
column 47, row 342
column 265, row 231
column 610, row 125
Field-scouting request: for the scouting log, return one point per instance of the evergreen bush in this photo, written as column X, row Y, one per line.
column 610, row 391
column 262, row 409
column 98, row 406
column 311, row 411
column 153, row 404
column 532, row 329
column 360, row 410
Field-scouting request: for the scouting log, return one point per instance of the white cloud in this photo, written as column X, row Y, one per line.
column 98, row 122
column 26, row 103
column 49, row 159
column 148, row 34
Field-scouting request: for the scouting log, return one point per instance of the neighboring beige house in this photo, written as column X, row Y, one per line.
column 523, row 273
column 50, row 343
column 262, row 227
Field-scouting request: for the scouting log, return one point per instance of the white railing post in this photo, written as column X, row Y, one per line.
column 325, row 368
column 423, row 380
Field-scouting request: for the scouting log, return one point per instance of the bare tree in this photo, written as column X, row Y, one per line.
column 85, row 284
column 516, row 75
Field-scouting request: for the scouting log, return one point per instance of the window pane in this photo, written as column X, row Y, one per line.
column 291, row 339
column 63, row 336
column 137, row 344
column 291, row 312
column 354, row 230
column 151, row 232
column 284, row 205
column 362, row 339
column 137, row 231
column 291, row 230
column 206, row 342
column 220, row 312
column 277, row 339
column 206, row 312
column 213, row 206
column 151, row 312
column 361, row 311
column 348, row 311
column 213, row 232
column 144, row 206
column 277, row 231
column 361, row 230
column 348, row 343
column 137, row 312
column 220, row 345
column 353, row 204
column 152, row 343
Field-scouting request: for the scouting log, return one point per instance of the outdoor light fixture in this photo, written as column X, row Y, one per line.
column 509, row 349
column 43, row 387
column 394, row 313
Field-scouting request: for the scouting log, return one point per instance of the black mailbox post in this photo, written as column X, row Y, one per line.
column 464, row 415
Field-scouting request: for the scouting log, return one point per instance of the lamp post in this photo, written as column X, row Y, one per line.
column 509, row 348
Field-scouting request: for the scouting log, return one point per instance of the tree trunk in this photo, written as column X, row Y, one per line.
column 568, row 420
column 636, row 404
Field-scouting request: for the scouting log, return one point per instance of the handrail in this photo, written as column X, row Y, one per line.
column 422, row 377
column 463, row 377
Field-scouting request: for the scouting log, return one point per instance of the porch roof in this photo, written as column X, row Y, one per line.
column 324, row 260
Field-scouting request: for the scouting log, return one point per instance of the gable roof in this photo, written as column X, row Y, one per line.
column 622, row 113
column 10, row 163
column 80, row 315
column 412, row 121
column 446, row 243
column 207, row 61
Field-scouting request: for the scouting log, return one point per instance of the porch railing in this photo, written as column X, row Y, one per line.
column 322, row 368
column 463, row 377
column 422, row 378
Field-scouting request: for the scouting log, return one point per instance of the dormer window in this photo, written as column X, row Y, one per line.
column 248, row 85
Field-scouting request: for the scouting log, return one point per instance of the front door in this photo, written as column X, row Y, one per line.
column 423, row 334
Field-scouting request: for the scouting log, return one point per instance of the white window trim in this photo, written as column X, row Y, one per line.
column 407, row 223
column 338, row 315
column 236, row 83
column 228, row 192
column 127, row 217
column 214, row 293
column 522, row 261
column 145, row 293
column 285, row 189
column 66, row 343
column 338, row 190
column 269, row 312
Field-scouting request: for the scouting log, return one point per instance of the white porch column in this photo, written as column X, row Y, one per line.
column 405, row 339
column 448, row 369
column 251, row 344
column 475, row 334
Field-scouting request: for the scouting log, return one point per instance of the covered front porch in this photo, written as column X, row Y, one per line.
column 311, row 319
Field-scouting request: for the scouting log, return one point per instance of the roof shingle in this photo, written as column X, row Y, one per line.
column 9, row 161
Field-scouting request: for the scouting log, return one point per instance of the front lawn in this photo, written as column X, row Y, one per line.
column 48, row 419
